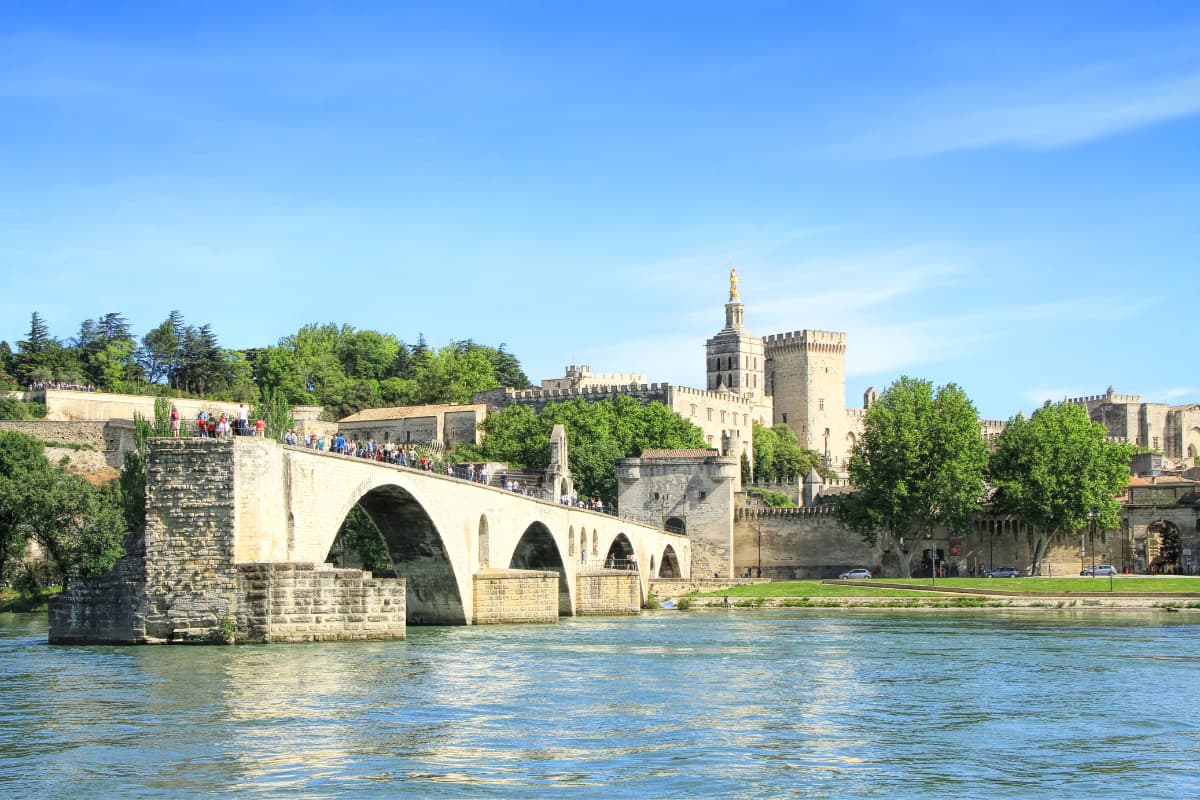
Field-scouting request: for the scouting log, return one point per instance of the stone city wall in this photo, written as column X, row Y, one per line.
column 109, row 439
column 608, row 593
column 100, row 406
column 515, row 595
column 809, row 543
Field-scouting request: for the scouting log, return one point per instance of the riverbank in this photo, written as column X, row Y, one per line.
column 14, row 603
column 1127, row 592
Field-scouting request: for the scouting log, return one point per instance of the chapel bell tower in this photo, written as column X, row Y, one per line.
column 734, row 355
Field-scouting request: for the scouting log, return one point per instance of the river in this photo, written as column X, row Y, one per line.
column 729, row 704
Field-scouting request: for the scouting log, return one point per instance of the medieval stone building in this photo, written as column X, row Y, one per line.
column 1171, row 430
column 796, row 378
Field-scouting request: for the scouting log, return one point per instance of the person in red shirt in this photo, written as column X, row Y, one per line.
column 260, row 427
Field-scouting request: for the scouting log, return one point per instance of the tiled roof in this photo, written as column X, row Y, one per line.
column 407, row 412
column 1160, row 480
column 701, row 452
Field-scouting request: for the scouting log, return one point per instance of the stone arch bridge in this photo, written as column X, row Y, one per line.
column 238, row 532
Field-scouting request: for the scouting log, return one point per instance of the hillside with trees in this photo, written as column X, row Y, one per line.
column 335, row 366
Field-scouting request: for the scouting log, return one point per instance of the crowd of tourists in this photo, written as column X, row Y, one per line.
column 38, row 386
column 218, row 426
column 590, row 503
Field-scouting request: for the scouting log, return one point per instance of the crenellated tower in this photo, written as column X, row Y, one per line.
column 806, row 376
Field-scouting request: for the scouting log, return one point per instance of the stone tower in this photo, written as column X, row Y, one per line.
column 735, row 360
column 806, row 375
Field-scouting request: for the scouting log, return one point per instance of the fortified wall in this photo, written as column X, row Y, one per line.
column 809, row 543
column 108, row 439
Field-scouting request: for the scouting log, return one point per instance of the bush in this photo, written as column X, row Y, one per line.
column 773, row 499
column 11, row 408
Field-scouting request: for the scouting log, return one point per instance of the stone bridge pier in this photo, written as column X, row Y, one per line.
column 239, row 533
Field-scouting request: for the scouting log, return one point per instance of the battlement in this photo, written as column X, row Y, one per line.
column 761, row 513
column 582, row 375
column 1105, row 398
column 538, row 397
column 856, row 413
column 724, row 397
column 822, row 341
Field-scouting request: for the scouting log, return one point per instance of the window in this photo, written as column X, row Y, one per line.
column 693, row 409
column 722, row 417
column 709, row 410
column 821, row 403
column 703, row 494
column 785, row 417
column 1155, row 445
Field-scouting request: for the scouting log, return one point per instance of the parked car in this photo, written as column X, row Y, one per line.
column 1001, row 572
column 1103, row 569
column 855, row 575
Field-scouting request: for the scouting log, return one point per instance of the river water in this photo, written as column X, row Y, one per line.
column 738, row 703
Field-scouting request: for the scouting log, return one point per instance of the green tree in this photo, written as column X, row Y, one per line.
column 275, row 411
column 452, row 375
column 1055, row 467
column 79, row 526
column 358, row 543
column 597, row 435
column 918, row 465
column 156, row 356
column 778, row 455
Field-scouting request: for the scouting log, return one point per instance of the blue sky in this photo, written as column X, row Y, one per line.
column 1004, row 196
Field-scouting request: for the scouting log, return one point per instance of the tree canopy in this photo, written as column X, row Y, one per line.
column 597, row 435
column 779, row 456
column 1054, row 467
column 919, row 464
column 336, row 366
column 80, row 527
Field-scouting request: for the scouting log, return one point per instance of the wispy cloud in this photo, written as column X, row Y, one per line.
column 1043, row 112
column 1177, row 393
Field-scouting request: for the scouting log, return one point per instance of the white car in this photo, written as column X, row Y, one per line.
column 855, row 575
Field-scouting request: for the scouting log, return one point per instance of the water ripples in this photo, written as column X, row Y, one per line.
column 723, row 703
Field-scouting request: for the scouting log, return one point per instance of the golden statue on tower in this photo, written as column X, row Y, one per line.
column 733, row 279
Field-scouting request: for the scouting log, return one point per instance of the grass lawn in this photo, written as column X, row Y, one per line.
column 1120, row 583
column 1056, row 585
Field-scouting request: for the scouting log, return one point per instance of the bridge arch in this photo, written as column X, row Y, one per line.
column 675, row 525
column 418, row 555
column 536, row 549
column 668, row 565
column 619, row 551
